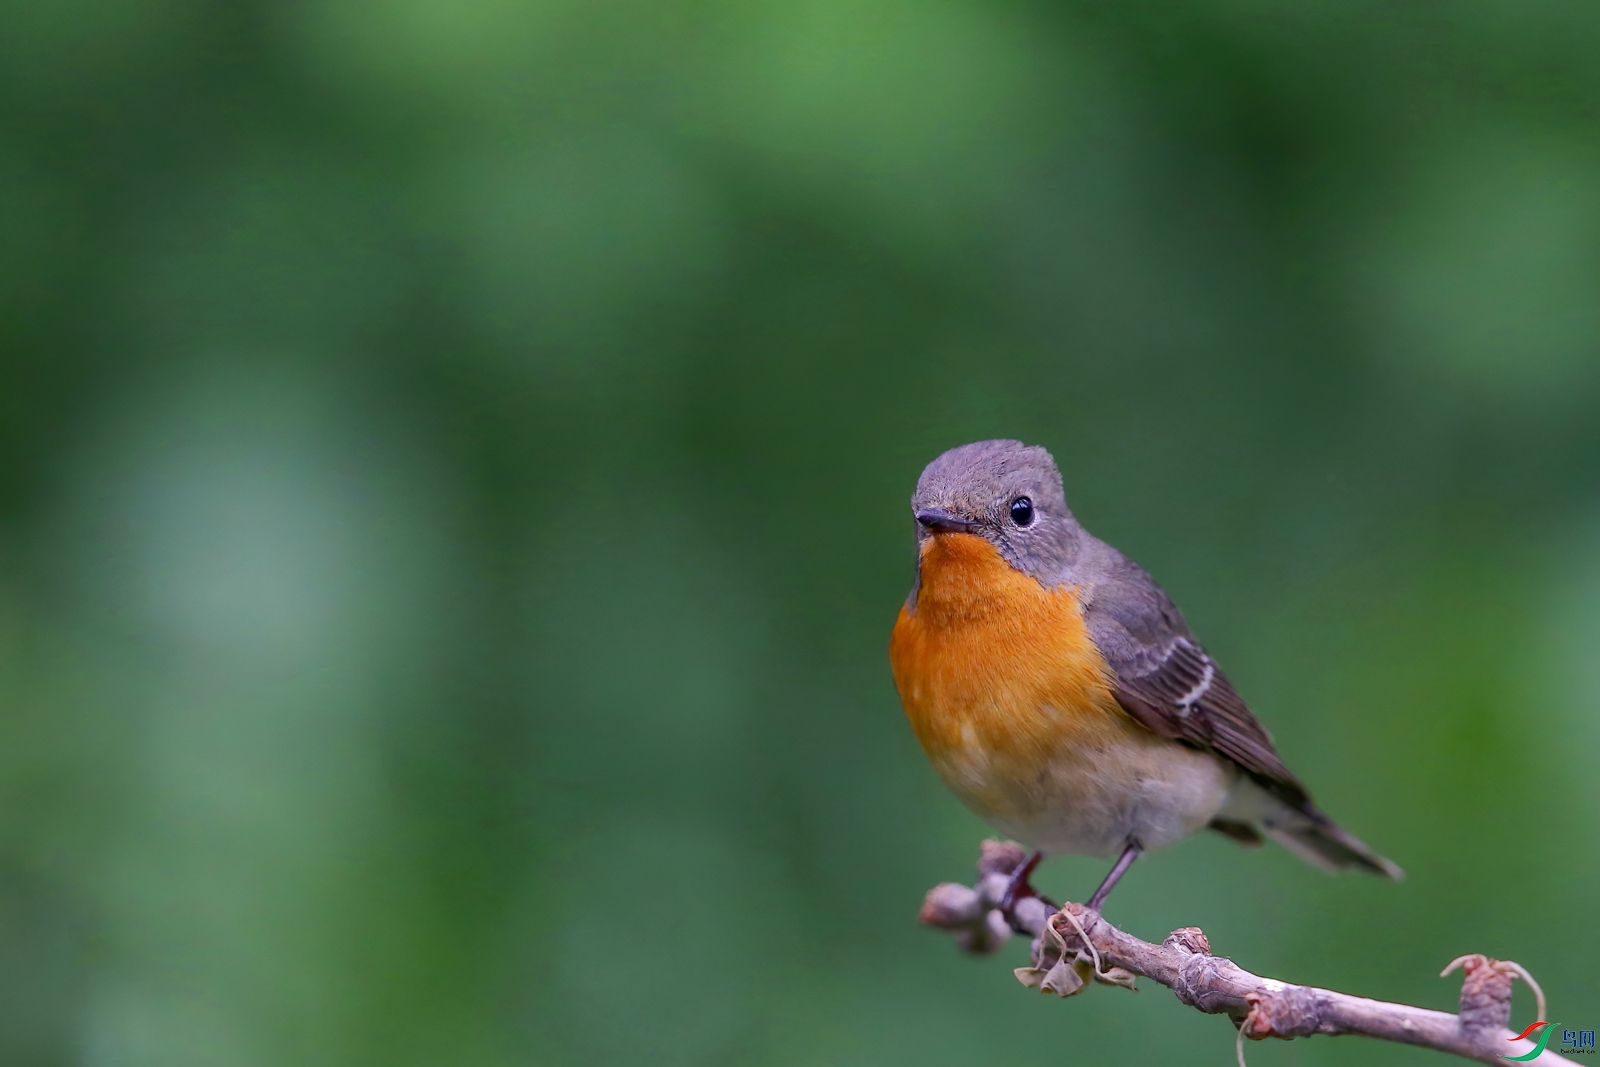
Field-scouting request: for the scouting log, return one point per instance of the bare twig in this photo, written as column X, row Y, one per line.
column 1073, row 946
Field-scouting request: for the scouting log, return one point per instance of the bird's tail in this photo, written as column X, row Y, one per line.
column 1298, row 826
column 1320, row 841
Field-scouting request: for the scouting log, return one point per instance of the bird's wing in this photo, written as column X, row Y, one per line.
column 1165, row 680
column 1183, row 695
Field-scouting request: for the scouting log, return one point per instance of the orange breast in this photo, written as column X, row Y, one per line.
column 998, row 675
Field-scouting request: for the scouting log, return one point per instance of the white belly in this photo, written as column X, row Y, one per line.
column 1093, row 802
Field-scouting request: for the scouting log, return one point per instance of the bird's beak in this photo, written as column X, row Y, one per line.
column 941, row 521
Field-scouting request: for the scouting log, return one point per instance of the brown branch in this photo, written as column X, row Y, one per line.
column 1073, row 946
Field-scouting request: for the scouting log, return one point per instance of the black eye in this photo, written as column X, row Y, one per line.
column 1022, row 511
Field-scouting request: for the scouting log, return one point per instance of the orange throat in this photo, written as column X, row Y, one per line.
column 997, row 673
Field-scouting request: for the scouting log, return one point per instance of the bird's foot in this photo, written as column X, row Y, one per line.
column 1129, row 854
column 1018, row 887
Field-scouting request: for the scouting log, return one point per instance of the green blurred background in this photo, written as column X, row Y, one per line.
column 454, row 462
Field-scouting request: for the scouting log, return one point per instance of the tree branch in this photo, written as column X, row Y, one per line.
column 1073, row 946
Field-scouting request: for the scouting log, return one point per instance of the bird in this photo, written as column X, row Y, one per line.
column 1059, row 693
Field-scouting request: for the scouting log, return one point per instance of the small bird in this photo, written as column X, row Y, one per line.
column 1058, row 692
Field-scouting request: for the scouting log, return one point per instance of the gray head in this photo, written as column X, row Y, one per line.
column 1009, row 494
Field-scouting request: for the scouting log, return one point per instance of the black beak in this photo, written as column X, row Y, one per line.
column 941, row 521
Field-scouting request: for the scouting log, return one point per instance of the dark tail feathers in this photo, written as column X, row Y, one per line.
column 1320, row 841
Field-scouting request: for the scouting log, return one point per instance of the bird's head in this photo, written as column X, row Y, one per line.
column 1005, row 492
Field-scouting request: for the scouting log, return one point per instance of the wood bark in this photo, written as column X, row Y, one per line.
column 1074, row 947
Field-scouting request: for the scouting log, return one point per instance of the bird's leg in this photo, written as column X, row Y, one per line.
column 1124, row 861
column 1018, row 888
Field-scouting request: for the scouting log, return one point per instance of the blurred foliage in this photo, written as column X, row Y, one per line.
column 453, row 478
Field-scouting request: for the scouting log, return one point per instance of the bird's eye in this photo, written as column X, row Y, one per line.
column 1022, row 511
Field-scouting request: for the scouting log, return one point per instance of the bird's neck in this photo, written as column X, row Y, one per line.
column 962, row 578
